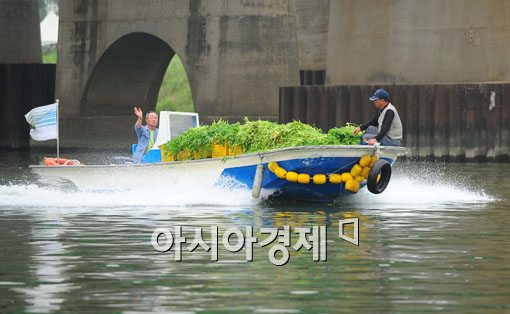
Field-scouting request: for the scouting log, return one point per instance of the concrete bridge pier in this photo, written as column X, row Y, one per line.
column 113, row 56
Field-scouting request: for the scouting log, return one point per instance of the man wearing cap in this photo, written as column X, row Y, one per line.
column 385, row 127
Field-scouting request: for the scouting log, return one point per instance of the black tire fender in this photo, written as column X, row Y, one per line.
column 383, row 168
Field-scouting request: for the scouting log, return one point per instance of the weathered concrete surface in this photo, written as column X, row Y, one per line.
column 312, row 22
column 113, row 55
column 19, row 31
column 452, row 122
column 416, row 41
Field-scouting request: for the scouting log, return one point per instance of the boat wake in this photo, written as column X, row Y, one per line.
column 192, row 194
column 424, row 188
column 406, row 189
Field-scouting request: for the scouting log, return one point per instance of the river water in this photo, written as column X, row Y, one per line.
column 436, row 240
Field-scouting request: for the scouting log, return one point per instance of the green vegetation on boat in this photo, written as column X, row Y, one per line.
column 254, row 136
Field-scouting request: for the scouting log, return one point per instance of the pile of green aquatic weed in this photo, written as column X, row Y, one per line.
column 194, row 140
column 344, row 135
column 223, row 132
column 257, row 136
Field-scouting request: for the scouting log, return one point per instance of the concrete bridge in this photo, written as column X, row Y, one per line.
column 113, row 54
column 238, row 53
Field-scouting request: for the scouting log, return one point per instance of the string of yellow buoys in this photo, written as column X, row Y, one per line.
column 351, row 179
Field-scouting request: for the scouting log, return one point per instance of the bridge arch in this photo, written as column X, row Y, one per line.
column 114, row 55
column 128, row 73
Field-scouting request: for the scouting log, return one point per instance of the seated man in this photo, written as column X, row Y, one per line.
column 385, row 127
column 146, row 134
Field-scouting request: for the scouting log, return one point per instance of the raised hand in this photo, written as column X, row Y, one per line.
column 138, row 112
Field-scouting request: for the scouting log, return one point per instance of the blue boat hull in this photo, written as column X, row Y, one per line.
column 283, row 189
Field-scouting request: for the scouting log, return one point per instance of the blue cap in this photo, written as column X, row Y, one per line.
column 380, row 94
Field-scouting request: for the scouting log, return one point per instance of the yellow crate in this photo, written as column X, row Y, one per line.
column 166, row 156
column 235, row 150
column 219, row 151
column 204, row 152
column 183, row 155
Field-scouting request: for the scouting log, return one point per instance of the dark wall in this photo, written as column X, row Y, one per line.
column 22, row 87
column 312, row 77
column 453, row 122
column 19, row 31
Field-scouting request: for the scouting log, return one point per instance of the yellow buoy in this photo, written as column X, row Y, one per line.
column 349, row 185
column 319, row 179
column 347, row 176
column 373, row 159
column 356, row 187
column 365, row 160
column 291, row 176
column 280, row 172
column 356, row 170
column 359, row 178
column 335, row 178
column 352, row 186
column 272, row 166
column 365, row 172
column 303, row 178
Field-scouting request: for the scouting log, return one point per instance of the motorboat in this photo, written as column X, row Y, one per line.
column 309, row 173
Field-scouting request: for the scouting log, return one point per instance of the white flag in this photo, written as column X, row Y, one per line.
column 43, row 122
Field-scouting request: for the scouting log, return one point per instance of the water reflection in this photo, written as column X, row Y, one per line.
column 48, row 266
column 422, row 248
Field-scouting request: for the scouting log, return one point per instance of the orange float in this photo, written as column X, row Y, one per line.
column 60, row 162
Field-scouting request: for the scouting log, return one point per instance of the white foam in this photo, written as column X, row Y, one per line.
column 147, row 195
column 432, row 187
column 405, row 189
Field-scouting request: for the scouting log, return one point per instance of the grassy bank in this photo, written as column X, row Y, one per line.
column 175, row 92
column 50, row 56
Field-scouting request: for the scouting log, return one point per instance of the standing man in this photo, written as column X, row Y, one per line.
column 385, row 127
column 146, row 134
